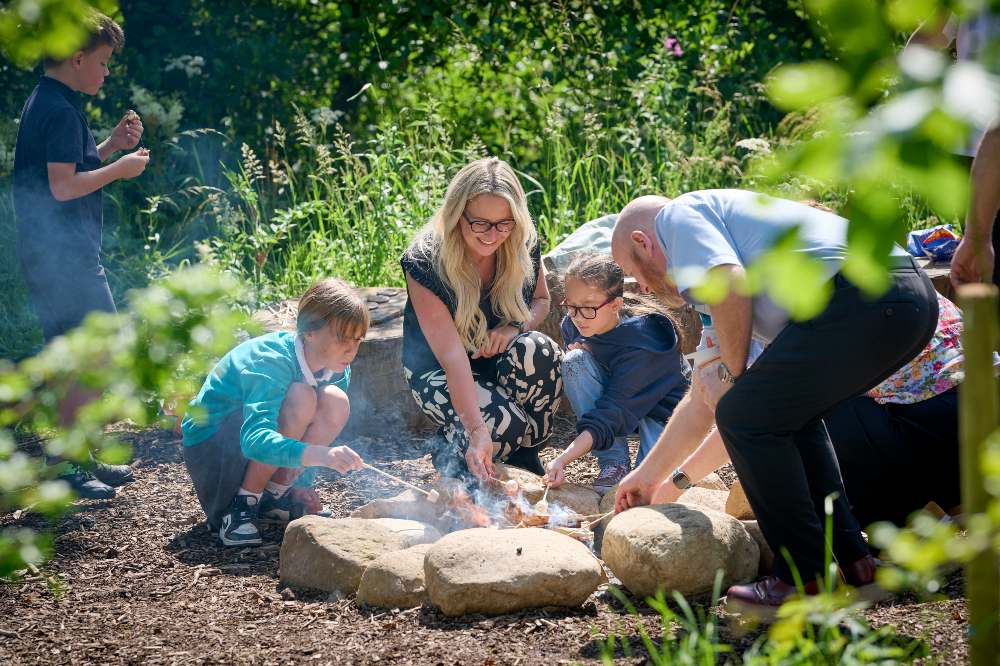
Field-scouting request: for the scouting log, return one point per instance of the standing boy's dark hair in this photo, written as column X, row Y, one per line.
column 601, row 271
column 103, row 31
column 333, row 300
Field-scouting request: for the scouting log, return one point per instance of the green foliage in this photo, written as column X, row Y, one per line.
column 823, row 629
column 886, row 126
column 33, row 29
column 154, row 353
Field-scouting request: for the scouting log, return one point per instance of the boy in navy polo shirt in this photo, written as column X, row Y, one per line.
column 57, row 200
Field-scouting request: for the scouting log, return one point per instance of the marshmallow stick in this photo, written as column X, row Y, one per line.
column 432, row 495
column 541, row 506
column 595, row 518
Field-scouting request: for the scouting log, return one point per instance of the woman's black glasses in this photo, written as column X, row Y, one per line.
column 482, row 226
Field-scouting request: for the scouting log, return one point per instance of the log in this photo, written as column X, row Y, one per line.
column 978, row 418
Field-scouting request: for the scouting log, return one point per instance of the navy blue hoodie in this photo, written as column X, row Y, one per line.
column 648, row 376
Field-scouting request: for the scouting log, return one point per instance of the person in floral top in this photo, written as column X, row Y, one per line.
column 937, row 369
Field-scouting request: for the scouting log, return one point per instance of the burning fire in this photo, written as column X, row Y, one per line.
column 499, row 503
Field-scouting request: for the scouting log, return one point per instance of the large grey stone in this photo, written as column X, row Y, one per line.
column 678, row 547
column 330, row 554
column 409, row 505
column 712, row 482
column 703, row 497
column 737, row 504
column 395, row 580
column 766, row 565
column 502, row 571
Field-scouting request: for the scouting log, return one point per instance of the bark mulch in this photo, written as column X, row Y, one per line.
column 139, row 579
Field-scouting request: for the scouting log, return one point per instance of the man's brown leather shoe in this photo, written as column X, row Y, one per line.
column 861, row 575
column 763, row 598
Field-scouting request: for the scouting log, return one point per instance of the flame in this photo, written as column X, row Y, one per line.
column 460, row 504
column 497, row 503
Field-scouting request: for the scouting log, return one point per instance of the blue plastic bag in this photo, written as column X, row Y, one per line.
column 937, row 243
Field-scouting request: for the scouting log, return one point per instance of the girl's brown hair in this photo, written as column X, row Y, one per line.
column 333, row 301
column 601, row 271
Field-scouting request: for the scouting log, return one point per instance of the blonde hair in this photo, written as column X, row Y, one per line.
column 333, row 300
column 442, row 242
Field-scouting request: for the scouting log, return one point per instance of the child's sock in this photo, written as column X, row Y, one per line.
column 276, row 489
column 244, row 491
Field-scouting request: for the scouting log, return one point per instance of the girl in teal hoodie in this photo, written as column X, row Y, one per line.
column 271, row 407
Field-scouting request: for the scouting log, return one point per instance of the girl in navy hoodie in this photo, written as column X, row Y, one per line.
column 623, row 369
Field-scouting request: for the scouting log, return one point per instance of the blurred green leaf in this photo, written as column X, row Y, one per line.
column 33, row 29
column 797, row 87
column 791, row 278
column 906, row 15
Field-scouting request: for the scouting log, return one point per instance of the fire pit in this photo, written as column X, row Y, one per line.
column 504, row 502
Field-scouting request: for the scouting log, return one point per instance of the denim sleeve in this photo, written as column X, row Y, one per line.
column 569, row 332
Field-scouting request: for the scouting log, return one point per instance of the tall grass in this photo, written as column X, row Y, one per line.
column 313, row 201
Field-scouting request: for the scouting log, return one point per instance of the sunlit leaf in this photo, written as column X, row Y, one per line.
column 796, row 87
column 712, row 287
column 115, row 453
column 906, row 15
column 791, row 278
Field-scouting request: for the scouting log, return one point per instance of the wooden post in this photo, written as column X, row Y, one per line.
column 978, row 418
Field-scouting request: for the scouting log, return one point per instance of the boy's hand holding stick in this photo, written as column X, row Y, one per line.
column 341, row 458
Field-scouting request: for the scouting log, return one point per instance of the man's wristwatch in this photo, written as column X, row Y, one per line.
column 519, row 325
column 725, row 375
column 680, row 479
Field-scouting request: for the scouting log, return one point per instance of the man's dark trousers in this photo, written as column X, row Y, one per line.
column 771, row 419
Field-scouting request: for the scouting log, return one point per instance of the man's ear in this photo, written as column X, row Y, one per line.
column 76, row 60
column 640, row 238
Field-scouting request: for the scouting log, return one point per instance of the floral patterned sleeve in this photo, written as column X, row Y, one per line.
column 935, row 370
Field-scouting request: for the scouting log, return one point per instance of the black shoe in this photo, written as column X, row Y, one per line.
column 112, row 475
column 284, row 509
column 85, row 485
column 526, row 457
column 238, row 527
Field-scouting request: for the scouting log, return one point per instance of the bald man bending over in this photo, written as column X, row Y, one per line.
column 770, row 415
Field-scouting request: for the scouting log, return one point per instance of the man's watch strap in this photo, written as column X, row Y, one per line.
column 680, row 479
column 725, row 375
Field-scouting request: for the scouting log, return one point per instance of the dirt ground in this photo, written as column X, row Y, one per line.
column 141, row 580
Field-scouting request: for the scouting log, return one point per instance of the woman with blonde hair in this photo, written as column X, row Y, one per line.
column 476, row 290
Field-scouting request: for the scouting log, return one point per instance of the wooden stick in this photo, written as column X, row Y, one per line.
column 598, row 516
column 977, row 415
column 545, row 493
column 397, row 479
